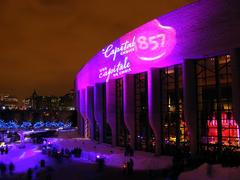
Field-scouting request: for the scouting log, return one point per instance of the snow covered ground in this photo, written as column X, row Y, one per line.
column 114, row 156
column 217, row 172
column 24, row 158
column 30, row 156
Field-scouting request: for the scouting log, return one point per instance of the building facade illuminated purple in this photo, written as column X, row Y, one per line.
column 173, row 82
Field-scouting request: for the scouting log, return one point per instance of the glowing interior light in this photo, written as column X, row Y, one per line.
column 230, row 130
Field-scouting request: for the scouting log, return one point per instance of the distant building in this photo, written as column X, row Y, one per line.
column 26, row 104
column 51, row 103
column 38, row 108
column 67, row 101
column 8, row 102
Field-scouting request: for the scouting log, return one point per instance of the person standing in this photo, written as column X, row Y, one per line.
column 6, row 149
column 131, row 164
column 3, row 169
column 29, row 174
column 11, row 168
column 2, row 150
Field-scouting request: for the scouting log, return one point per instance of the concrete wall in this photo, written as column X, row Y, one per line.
column 111, row 108
column 235, row 67
column 204, row 28
column 190, row 103
column 129, row 106
column 154, row 105
column 90, row 110
column 98, row 109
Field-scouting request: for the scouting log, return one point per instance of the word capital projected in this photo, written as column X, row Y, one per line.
column 150, row 42
column 137, row 51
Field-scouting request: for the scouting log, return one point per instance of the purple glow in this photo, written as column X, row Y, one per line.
column 153, row 41
column 186, row 33
column 137, row 51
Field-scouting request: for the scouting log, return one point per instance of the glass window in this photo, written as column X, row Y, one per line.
column 218, row 128
column 144, row 135
column 122, row 132
column 174, row 127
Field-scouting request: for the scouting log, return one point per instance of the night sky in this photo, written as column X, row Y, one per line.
column 43, row 43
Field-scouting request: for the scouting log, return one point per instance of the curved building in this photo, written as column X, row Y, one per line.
column 173, row 82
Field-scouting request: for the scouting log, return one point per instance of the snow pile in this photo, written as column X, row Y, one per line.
column 212, row 172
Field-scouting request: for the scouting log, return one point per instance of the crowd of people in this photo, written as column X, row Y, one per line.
column 6, row 168
column 43, row 171
column 52, row 151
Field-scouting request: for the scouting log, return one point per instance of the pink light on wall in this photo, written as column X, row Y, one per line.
column 153, row 41
column 137, row 51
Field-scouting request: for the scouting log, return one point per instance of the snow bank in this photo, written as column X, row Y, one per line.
column 217, row 172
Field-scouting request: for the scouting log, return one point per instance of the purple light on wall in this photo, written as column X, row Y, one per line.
column 153, row 41
column 191, row 32
column 137, row 51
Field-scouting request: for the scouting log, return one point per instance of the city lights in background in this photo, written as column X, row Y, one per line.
column 26, row 125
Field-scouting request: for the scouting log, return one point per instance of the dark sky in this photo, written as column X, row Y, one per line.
column 43, row 43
